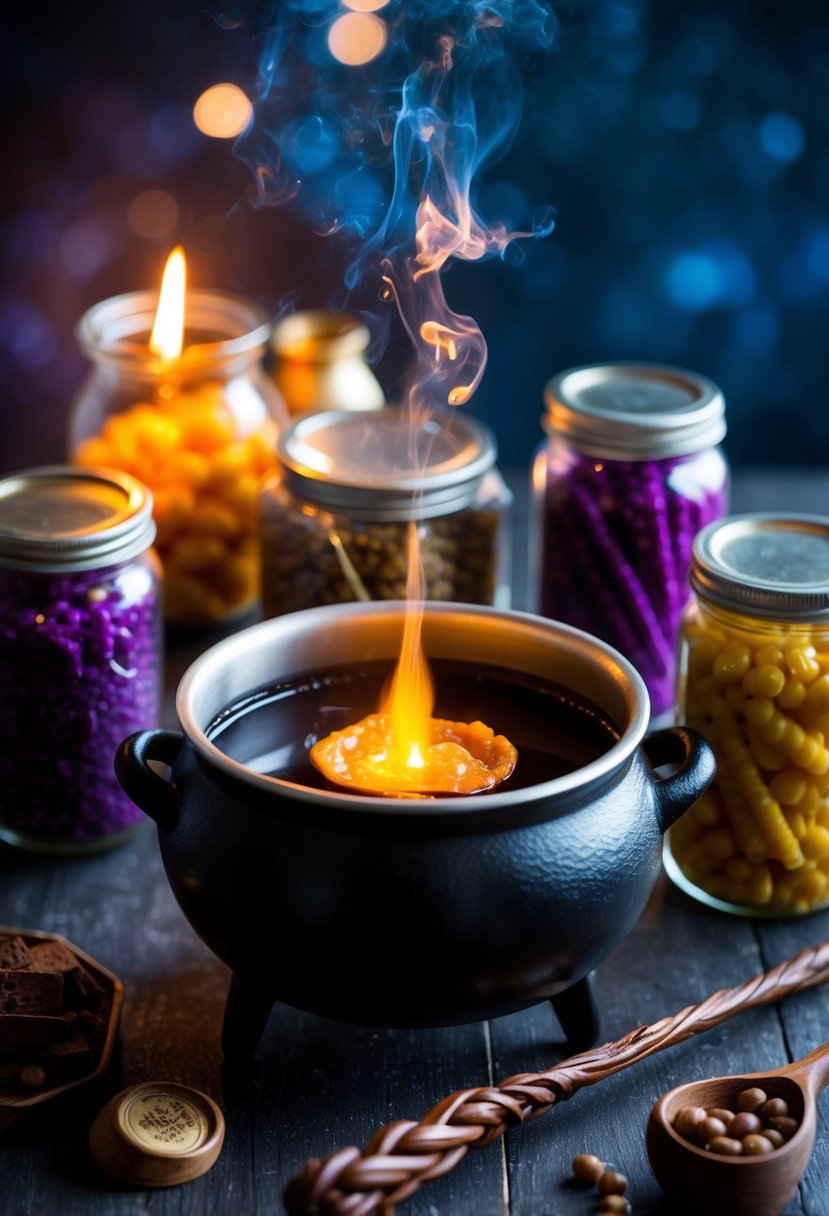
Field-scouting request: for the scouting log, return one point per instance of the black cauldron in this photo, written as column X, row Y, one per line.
column 405, row 913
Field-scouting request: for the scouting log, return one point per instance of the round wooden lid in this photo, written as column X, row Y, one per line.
column 157, row 1134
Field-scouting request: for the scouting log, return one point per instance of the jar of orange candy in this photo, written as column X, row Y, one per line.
column 196, row 423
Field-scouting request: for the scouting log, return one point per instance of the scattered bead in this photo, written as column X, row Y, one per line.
column 616, row 1204
column 33, row 1076
column 612, row 1183
column 587, row 1168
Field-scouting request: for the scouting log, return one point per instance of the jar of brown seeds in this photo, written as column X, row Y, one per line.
column 334, row 517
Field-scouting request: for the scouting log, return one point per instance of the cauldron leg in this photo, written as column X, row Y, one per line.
column 246, row 1016
column 578, row 1013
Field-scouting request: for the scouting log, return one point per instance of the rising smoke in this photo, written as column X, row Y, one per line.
column 391, row 153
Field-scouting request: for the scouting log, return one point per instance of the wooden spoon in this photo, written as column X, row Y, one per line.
column 701, row 1181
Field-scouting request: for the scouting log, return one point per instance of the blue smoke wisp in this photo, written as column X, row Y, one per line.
column 391, row 151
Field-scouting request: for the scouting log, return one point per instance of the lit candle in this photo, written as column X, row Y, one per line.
column 186, row 408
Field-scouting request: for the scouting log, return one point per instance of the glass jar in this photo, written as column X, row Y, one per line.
column 630, row 471
column 319, row 363
column 754, row 679
column 334, row 517
column 80, row 652
column 199, row 431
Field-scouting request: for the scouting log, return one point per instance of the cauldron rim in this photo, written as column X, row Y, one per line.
column 585, row 779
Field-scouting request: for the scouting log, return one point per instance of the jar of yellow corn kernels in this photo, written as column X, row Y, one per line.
column 754, row 679
column 199, row 429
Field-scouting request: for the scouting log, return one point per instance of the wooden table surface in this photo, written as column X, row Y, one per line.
column 323, row 1085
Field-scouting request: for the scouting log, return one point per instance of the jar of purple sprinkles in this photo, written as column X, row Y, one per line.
column 630, row 471
column 80, row 652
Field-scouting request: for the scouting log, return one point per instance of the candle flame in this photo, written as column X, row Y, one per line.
column 408, row 702
column 402, row 750
column 167, row 337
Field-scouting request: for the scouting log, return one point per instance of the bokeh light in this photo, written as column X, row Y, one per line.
column 681, row 111
column 357, row 38
column 365, row 6
column 782, row 137
column 89, row 244
column 223, row 111
column 27, row 335
column 153, row 214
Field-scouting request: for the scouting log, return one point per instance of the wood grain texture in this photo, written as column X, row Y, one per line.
column 323, row 1085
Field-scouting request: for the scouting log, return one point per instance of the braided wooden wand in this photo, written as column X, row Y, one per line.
column 403, row 1155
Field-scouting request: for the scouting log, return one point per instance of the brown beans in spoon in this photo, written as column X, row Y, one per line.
column 740, row 1178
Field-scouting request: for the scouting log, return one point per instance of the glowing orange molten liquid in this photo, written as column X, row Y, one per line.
column 402, row 750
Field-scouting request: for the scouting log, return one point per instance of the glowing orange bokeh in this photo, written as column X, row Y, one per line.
column 153, row 214
column 357, row 38
column 223, row 111
column 365, row 6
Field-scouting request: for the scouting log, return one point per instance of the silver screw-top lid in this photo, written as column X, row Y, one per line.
column 767, row 565
column 64, row 518
column 635, row 411
column 380, row 465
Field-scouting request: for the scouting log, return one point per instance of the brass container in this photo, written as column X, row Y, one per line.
column 319, row 363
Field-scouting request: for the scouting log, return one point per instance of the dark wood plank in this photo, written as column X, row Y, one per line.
column 678, row 954
column 324, row 1085
column 805, row 1022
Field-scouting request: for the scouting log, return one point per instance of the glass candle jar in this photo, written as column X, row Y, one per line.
column 754, row 679
column 630, row 471
column 334, row 517
column 199, row 430
column 319, row 362
column 80, row 652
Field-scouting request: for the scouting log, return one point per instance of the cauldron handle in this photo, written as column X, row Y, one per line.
column 696, row 768
column 156, row 796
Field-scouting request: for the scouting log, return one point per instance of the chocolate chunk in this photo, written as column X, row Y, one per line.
column 93, row 1024
column 71, row 1057
column 53, row 956
column 14, row 954
column 81, row 987
column 29, row 1030
column 28, row 992
column 86, row 987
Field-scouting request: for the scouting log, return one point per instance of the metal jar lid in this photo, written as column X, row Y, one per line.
column 375, row 465
column 64, row 518
column 635, row 411
column 767, row 565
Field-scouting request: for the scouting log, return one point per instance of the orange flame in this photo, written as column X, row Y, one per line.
column 408, row 702
column 167, row 338
column 402, row 751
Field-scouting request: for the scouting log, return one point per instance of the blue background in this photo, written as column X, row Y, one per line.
column 684, row 148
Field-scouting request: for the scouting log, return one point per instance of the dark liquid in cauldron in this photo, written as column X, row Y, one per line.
column 272, row 730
